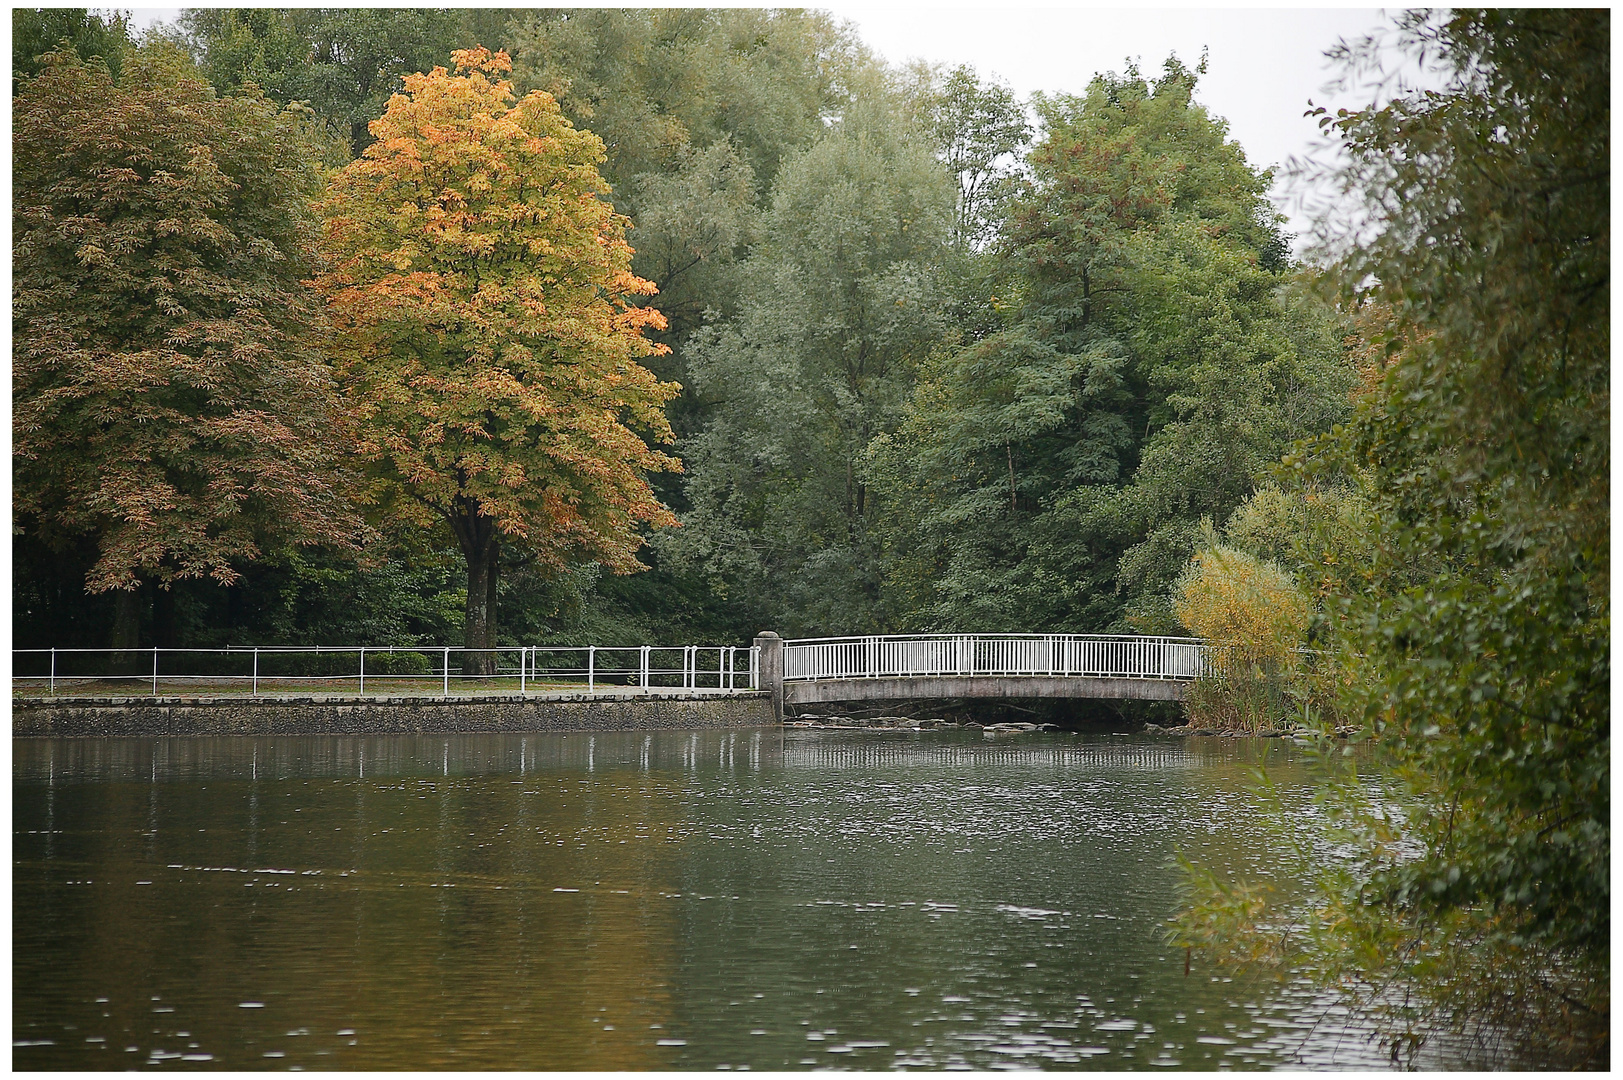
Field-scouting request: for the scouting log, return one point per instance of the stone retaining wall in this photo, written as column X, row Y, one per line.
column 100, row 717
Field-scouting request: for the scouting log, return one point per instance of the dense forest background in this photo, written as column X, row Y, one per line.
column 948, row 360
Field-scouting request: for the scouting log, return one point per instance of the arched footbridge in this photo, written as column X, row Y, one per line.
column 890, row 668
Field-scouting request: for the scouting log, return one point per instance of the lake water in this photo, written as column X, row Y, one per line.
column 662, row 900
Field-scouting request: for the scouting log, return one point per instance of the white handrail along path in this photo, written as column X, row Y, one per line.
column 644, row 669
column 725, row 669
column 1063, row 655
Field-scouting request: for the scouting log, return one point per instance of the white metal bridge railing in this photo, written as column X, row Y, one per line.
column 399, row 668
column 1095, row 655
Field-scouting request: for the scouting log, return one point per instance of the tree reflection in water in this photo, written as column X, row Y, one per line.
column 635, row 900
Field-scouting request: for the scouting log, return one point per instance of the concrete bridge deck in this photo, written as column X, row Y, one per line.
column 969, row 666
column 904, row 687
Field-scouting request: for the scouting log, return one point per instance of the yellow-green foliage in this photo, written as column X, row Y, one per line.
column 1256, row 619
column 1248, row 605
column 1322, row 526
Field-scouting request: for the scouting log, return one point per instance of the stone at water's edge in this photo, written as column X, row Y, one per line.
column 384, row 716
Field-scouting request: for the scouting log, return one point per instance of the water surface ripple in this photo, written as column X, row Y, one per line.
column 630, row 900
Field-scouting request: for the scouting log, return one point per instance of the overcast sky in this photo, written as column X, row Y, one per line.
column 1263, row 64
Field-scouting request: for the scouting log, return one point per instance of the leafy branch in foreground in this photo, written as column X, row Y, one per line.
column 1479, row 634
column 1330, row 915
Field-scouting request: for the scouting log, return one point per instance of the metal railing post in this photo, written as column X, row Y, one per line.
column 154, row 671
column 591, row 669
column 644, row 673
column 522, row 692
column 255, row 691
column 53, row 671
column 447, row 671
column 363, row 671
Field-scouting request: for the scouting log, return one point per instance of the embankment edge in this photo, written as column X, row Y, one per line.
column 106, row 717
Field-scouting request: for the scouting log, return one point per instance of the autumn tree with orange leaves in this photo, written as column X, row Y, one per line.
column 481, row 284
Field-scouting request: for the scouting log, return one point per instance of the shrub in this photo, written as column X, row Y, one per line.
column 1256, row 619
column 399, row 663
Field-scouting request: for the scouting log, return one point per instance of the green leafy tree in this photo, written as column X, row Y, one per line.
column 981, row 130
column 1481, row 445
column 269, row 47
column 694, row 224
column 344, row 63
column 840, row 302
column 1142, row 366
column 698, row 109
column 482, row 287
column 656, row 83
column 36, row 32
column 171, row 396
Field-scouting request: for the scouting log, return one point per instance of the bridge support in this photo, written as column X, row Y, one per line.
column 771, row 646
column 918, row 687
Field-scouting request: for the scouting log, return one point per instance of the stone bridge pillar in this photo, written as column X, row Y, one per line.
column 771, row 646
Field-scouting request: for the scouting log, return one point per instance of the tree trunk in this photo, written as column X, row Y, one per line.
column 479, row 614
column 481, row 547
column 126, row 628
column 165, row 625
column 490, row 594
column 1009, row 447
